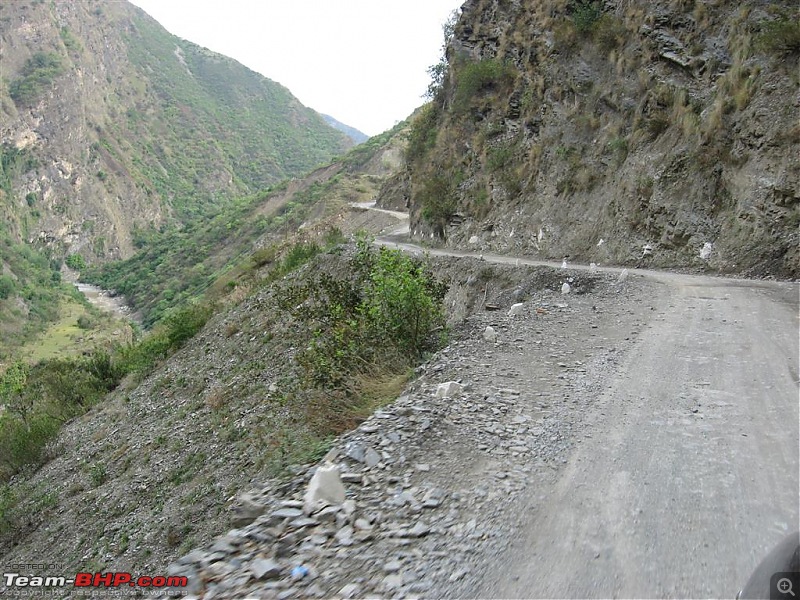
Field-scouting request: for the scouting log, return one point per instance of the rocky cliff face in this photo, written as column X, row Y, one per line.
column 660, row 133
column 110, row 125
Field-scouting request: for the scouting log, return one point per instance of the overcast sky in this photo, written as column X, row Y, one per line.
column 364, row 62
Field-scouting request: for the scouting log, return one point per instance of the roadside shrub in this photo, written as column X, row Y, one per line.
column 368, row 327
column 438, row 200
column 402, row 303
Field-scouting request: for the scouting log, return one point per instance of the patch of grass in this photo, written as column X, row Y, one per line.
column 423, row 134
column 70, row 41
column 618, row 147
column 476, row 78
column 65, row 337
column 609, row 32
column 780, row 37
column 498, row 157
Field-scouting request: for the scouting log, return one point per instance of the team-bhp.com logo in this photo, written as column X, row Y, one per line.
column 93, row 580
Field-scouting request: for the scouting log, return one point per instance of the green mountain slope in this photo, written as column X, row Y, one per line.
column 111, row 128
column 129, row 126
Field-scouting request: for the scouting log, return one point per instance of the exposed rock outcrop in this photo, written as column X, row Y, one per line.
column 596, row 129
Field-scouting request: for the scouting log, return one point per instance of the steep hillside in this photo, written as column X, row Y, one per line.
column 661, row 133
column 112, row 129
column 111, row 125
column 247, row 285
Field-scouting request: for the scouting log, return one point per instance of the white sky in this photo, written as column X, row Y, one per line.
column 364, row 62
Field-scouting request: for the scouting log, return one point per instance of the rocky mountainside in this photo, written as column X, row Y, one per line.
column 662, row 133
column 111, row 126
column 157, row 469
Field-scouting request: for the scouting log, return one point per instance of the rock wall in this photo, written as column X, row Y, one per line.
column 658, row 133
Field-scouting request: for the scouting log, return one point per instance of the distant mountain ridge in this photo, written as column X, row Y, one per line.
column 351, row 132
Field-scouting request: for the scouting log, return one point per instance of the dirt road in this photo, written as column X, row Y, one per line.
column 691, row 473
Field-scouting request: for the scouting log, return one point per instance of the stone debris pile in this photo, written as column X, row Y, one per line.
column 412, row 502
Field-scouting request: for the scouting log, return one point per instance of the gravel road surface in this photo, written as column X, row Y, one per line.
column 691, row 471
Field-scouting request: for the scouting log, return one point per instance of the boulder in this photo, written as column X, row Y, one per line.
column 324, row 488
column 450, row 389
column 515, row 309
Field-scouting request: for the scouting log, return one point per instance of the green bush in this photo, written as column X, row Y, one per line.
column 438, row 71
column 375, row 323
column 6, row 287
column 438, row 200
column 24, row 444
column 169, row 335
column 299, row 255
column 780, row 37
column 39, row 399
column 38, row 73
column 69, row 40
column 422, row 137
column 498, row 157
column 85, row 322
column 585, row 14
column 76, row 262
column 98, row 474
column 403, row 303
column 106, row 370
